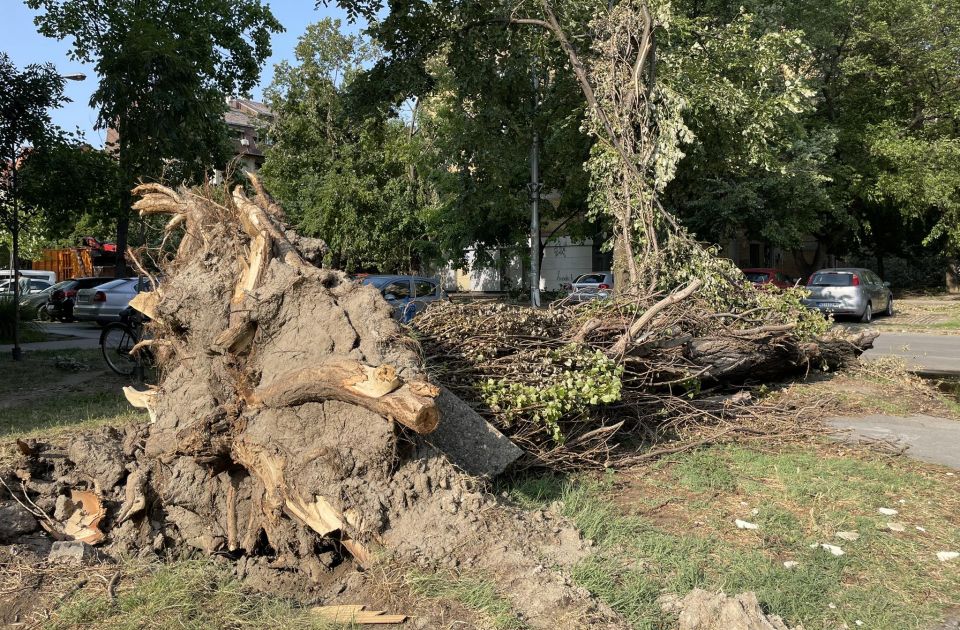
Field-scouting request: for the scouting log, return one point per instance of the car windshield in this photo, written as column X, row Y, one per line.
column 831, row 279
column 757, row 276
column 589, row 278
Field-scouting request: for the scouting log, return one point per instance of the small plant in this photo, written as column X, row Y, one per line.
column 575, row 380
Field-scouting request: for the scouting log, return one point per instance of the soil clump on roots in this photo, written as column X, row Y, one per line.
column 289, row 432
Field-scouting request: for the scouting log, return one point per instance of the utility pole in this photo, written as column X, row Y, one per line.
column 535, row 187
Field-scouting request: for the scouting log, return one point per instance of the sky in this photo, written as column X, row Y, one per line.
column 20, row 40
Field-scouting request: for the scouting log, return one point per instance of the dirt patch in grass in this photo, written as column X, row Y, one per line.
column 670, row 527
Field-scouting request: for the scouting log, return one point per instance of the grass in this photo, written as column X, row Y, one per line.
column 670, row 529
column 65, row 413
column 39, row 367
column 189, row 594
column 473, row 591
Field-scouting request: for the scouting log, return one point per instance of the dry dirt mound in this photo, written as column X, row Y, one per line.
column 702, row 610
column 287, row 431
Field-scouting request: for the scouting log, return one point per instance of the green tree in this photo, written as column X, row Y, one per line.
column 164, row 68
column 73, row 188
column 26, row 98
column 347, row 176
column 887, row 117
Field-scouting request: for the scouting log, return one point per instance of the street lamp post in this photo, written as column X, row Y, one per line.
column 534, row 187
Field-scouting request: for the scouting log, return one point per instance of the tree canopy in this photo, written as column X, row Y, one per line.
column 164, row 69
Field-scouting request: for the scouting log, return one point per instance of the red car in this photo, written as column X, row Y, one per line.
column 762, row 276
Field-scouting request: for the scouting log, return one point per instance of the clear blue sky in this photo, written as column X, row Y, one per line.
column 20, row 40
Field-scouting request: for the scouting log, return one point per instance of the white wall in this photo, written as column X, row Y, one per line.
column 563, row 261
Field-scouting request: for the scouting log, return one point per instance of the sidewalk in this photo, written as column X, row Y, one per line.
column 75, row 336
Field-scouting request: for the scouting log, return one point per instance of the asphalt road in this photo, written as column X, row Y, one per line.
column 925, row 438
column 926, row 353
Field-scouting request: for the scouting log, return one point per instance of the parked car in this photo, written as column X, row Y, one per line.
column 62, row 296
column 408, row 295
column 103, row 303
column 767, row 277
column 596, row 285
column 849, row 291
column 28, row 286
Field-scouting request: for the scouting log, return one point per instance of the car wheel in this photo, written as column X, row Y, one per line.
column 867, row 316
column 889, row 310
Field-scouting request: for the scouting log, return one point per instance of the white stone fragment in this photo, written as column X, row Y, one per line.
column 851, row 536
column 945, row 556
column 896, row 527
column 791, row 564
column 888, row 511
column 837, row 551
column 745, row 525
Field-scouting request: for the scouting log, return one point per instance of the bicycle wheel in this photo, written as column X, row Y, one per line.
column 116, row 341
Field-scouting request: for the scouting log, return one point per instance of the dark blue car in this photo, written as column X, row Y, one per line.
column 408, row 295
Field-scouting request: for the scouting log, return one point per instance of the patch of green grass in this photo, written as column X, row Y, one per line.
column 190, row 594
column 38, row 368
column 801, row 497
column 473, row 591
column 699, row 472
column 66, row 412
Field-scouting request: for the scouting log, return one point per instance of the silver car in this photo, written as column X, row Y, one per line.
column 103, row 304
column 597, row 285
column 849, row 291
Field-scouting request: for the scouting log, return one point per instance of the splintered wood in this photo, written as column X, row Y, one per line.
column 356, row 614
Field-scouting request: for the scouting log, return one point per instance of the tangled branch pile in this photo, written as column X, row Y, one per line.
column 562, row 381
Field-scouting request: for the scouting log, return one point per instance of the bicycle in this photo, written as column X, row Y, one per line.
column 118, row 339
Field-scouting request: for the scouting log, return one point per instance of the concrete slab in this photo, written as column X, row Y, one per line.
column 471, row 443
column 927, row 438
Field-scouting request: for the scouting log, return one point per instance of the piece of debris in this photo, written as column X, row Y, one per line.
column 472, row 443
column 921, row 529
column 745, row 524
column 702, row 610
column 15, row 521
column 946, row 556
column 85, row 511
column 837, row 551
column 70, row 364
column 791, row 564
column 850, row 536
column 896, row 527
column 356, row 614
column 888, row 511
column 73, row 552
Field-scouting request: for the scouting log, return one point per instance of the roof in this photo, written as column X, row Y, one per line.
column 246, row 113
